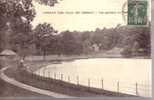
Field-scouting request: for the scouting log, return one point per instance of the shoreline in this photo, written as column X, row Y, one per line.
column 34, row 65
column 76, row 57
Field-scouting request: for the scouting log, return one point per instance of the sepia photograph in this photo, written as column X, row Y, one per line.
column 75, row 48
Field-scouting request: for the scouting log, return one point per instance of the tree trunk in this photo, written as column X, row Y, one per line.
column 44, row 55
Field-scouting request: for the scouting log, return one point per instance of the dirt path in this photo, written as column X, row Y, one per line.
column 29, row 88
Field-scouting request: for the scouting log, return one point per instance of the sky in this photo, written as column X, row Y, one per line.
column 80, row 22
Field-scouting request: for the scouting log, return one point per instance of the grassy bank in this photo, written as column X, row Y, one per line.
column 58, row 86
column 8, row 90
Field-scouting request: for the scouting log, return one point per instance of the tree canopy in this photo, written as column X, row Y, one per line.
column 18, row 14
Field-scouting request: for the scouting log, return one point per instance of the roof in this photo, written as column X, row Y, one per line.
column 8, row 52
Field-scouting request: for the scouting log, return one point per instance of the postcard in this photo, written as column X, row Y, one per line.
column 75, row 48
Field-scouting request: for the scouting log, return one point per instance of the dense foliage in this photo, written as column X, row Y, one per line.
column 16, row 16
column 44, row 39
column 134, row 41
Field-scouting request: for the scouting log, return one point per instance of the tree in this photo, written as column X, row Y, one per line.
column 43, row 37
column 105, row 38
column 110, row 39
column 19, row 14
column 21, row 42
column 15, row 11
column 135, row 41
column 21, row 39
column 56, row 45
column 70, row 44
column 98, row 36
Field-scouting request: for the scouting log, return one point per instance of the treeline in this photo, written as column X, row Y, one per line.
column 44, row 40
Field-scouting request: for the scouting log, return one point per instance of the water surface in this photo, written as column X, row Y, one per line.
column 124, row 75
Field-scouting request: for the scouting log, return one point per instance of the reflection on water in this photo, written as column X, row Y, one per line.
column 125, row 75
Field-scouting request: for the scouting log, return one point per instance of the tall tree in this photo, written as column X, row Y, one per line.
column 21, row 43
column 70, row 44
column 19, row 14
column 43, row 36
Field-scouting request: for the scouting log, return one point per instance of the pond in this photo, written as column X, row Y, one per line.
column 132, row 76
